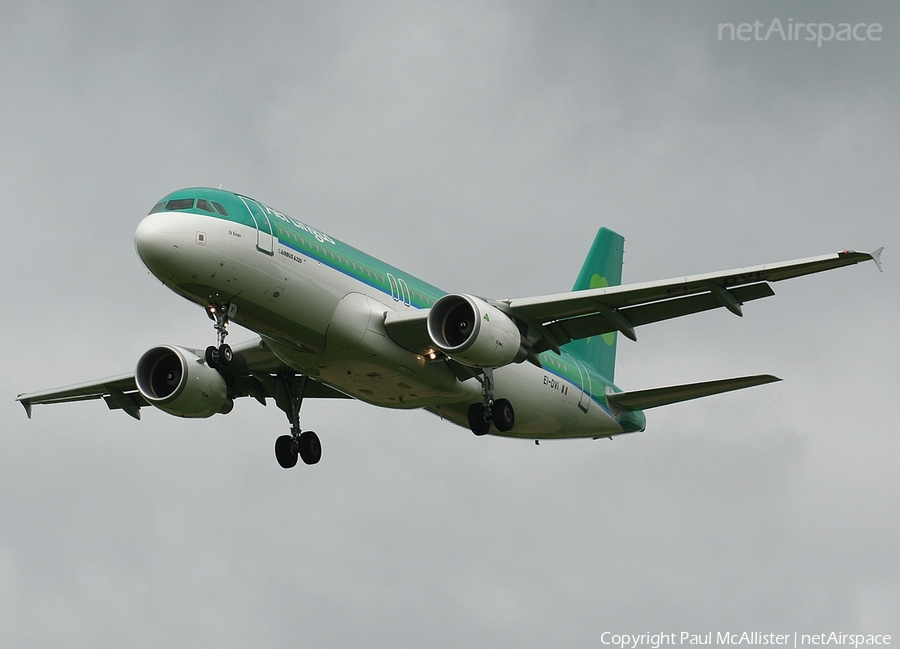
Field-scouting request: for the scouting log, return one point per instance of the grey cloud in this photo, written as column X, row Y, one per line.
column 479, row 146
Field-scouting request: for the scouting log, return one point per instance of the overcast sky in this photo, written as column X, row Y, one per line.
column 479, row 146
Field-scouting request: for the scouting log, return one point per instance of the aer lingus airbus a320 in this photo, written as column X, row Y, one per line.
column 333, row 322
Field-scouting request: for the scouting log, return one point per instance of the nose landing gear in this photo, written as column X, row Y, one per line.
column 221, row 354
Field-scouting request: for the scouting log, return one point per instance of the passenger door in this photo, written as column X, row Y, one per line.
column 264, row 235
column 586, row 386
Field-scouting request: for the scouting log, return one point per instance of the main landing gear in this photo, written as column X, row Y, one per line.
column 221, row 354
column 288, row 396
column 304, row 445
column 500, row 412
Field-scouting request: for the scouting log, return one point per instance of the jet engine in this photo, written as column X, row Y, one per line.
column 473, row 332
column 179, row 382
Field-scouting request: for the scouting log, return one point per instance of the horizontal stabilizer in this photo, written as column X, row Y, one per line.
column 654, row 397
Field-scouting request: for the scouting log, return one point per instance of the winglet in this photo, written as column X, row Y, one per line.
column 26, row 404
column 876, row 257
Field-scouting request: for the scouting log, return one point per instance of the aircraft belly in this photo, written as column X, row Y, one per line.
column 378, row 372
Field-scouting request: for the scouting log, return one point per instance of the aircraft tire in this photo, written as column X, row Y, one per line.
column 284, row 452
column 212, row 357
column 503, row 414
column 310, row 447
column 225, row 354
column 477, row 424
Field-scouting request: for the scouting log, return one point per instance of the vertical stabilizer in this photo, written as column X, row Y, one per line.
column 603, row 267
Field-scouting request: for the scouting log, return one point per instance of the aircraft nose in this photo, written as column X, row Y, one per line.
column 156, row 241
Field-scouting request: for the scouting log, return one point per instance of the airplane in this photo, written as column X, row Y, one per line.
column 333, row 322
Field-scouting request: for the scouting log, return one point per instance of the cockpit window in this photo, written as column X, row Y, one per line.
column 180, row 204
column 188, row 203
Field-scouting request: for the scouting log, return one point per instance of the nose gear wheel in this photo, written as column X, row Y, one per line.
column 221, row 354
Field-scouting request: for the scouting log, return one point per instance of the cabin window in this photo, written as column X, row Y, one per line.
column 204, row 205
column 180, row 204
column 221, row 210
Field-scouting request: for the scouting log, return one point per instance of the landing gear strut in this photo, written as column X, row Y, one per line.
column 500, row 412
column 304, row 445
column 221, row 354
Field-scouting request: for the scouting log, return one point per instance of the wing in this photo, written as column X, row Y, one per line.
column 254, row 371
column 554, row 320
column 570, row 316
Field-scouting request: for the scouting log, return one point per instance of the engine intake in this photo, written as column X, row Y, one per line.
column 473, row 332
column 179, row 382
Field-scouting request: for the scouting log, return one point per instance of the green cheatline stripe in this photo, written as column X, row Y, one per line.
column 379, row 284
column 309, row 245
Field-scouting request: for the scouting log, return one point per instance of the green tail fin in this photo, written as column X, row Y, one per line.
column 603, row 267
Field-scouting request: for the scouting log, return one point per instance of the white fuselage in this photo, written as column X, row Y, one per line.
column 324, row 323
